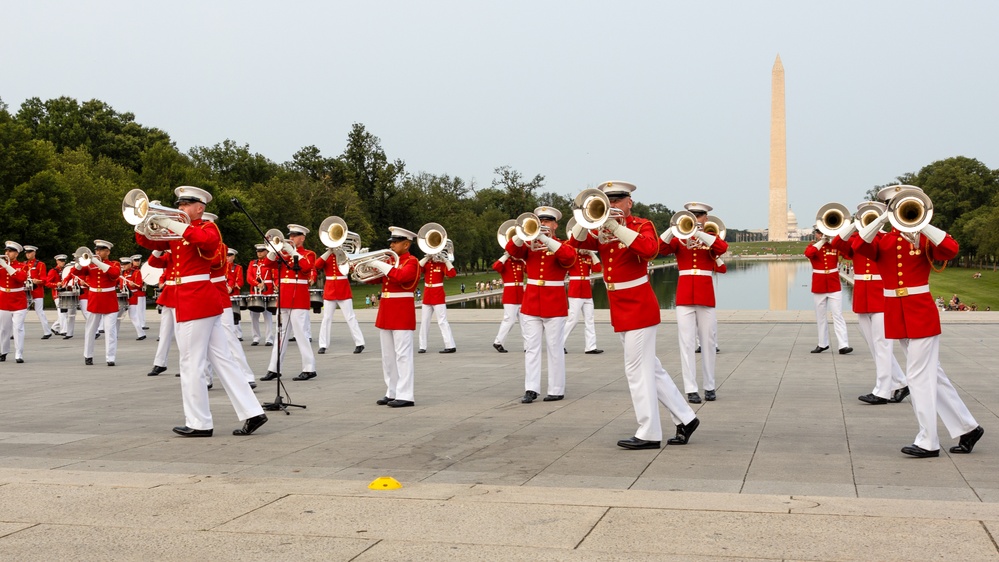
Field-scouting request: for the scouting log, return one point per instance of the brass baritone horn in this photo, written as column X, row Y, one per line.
column 333, row 232
column 431, row 238
column 506, row 232
column 867, row 212
column 910, row 209
column 591, row 208
column 830, row 218
column 138, row 211
column 364, row 272
column 528, row 226
column 715, row 226
column 83, row 256
column 683, row 224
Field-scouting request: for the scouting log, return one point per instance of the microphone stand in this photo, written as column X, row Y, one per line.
column 279, row 402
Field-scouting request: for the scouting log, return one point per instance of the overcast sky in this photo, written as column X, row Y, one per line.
column 672, row 96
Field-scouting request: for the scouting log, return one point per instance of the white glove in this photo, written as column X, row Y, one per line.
column 381, row 266
column 626, row 235
column 449, row 264
column 424, row 261
column 7, row 267
column 666, row 236
column 158, row 253
column 100, row 265
column 272, row 256
column 848, row 229
column 176, row 227
column 287, row 248
column 504, row 257
column 326, row 255
column 579, row 233
column 552, row 245
column 870, row 231
column 934, row 234
column 517, row 240
column 705, row 238
column 595, row 255
column 77, row 267
column 719, row 262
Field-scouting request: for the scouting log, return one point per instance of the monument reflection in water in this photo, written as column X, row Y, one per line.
column 748, row 285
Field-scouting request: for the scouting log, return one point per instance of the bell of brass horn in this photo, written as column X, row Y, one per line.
column 867, row 212
column 683, row 224
column 715, row 226
column 333, row 232
column 431, row 238
column 138, row 211
column 363, row 271
column 910, row 209
column 528, row 226
column 83, row 256
column 505, row 232
column 831, row 217
column 591, row 208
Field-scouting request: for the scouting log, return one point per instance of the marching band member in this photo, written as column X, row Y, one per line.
column 234, row 285
column 101, row 278
column 543, row 312
column 13, row 301
column 337, row 293
column 396, row 320
column 434, row 273
column 869, row 305
column 219, row 272
column 37, row 277
column 695, row 299
column 581, row 299
column 827, row 293
column 258, row 277
column 912, row 317
column 512, row 271
column 54, row 281
column 131, row 283
column 293, row 297
column 200, row 336
column 140, row 302
column 635, row 317
column 167, row 301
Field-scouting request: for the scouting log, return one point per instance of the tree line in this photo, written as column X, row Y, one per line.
column 65, row 167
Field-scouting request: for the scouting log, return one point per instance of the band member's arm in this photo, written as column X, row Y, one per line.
column 500, row 264
column 643, row 241
column 450, row 271
column 306, row 259
column 941, row 246
column 867, row 249
column 597, row 267
column 517, row 248
column 161, row 245
column 843, row 245
column 239, row 277
column 812, row 251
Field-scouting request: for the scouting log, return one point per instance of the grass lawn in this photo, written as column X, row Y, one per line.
column 983, row 291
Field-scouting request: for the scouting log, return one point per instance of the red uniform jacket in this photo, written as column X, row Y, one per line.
column 37, row 275
column 512, row 270
column 434, row 273
column 192, row 256
column 868, row 287
column 636, row 307
column 258, row 269
column 132, row 282
column 220, row 274
column 234, row 278
column 294, row 289
column 168, row 294
column 696, row 262
column 394, row 312
column 579, row 276
column 102, row 297
column 909, row 316
column 337, row 286
column 53, row 279
column 825, row 268
column 12, row 294
column 540, row 299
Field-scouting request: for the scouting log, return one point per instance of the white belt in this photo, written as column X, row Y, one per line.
column 18, row 290
column 188, row 279
column 906, row 291
column 335, row 277
column 578, row 278
column 105, row 290
column 387, row 295
column 824, row 271
column 217, row 279
column 867, row 277
column 266, row 281
column 295, row 281
column 511, row 284
column 706, row 272
column 545, row 283
column 432, row 285
column 627, row 284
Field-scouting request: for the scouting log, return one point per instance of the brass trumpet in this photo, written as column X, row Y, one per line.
column 591, row 208
column 867, row 212
column 139, row 211
column 830, row 218
column 683, row 224
column 83, row 256
column 910, row 209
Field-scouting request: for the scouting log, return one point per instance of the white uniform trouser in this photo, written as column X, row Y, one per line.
column 110, row 324
column 511, row 316
column 650, row 384
column 397, row 363
column 142, row 308
column 534, row 328
column 298, row 319
column 83, row 309
column 692, row 323
column 347, row 307
column 201, row 342
column 234, row 347
column 12, row 323
column 39, row 305
column 889, row 375
column 833, row 302
column 136, row 317
column 268, row 326
column 167, row 321
column 68, row 320
column 441, row 311
column 576, row 307
column 60, row 324
column 237, row 329
column 932, row 393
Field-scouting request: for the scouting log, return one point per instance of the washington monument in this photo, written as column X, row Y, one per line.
column 778, row 157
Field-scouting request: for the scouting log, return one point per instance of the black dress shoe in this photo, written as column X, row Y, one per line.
column 3, row 357
column 269, row 344
column 322, row 351
column 710, row 395
column 253, row 384
column 19, row 360
column 553, row 397
column 46, row 336
column 141, row 337
column 819, row 349
column 845, row 350
column 292, row 338
column 358, row 349
column 88, row 360
column 684, row 431
column 499, row 347
column 529, row 397
column 920, row 452
column 594, row 351
column 899, row 395
column 250, row 425
column 693, row 398
column 185, row 431
column 967, row 442
column 400, row 403
column 565, row 351
column 271, row 375
column 110, row 363
column 155, row 371
column 872, row 399
column 67, row 337
column 422, row 351
column 210, row 386
column 698, row 350
column 255, row 344
column 636, row 443
column 304, row 376
column 448, row 350
column 97, row 337
column 384, row 400
column 145, row 327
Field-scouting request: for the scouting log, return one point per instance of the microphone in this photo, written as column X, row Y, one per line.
column 235, row 203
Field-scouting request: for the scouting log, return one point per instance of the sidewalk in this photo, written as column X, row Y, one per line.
column 787, row 464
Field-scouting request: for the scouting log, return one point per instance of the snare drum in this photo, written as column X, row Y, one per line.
column 256, row 303
column 270, row 304
column 122, row 304
column 68, row 299
column 236, row 302
column 316, row 300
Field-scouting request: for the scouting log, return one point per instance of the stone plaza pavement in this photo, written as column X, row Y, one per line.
column 787, row 464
